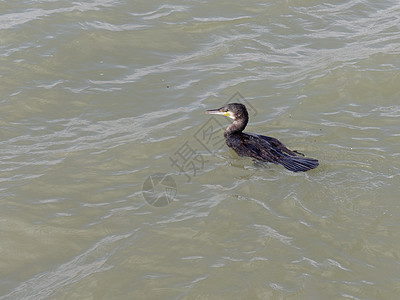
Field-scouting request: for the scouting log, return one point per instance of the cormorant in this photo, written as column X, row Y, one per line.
column 262, row 148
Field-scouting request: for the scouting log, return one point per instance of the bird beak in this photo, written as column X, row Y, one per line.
column 218, row 111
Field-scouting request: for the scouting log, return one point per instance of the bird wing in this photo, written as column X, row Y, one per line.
column 269, row 149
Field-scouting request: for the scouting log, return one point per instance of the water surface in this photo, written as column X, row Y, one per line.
column 100, row 98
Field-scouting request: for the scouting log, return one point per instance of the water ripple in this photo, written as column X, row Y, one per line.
column 11, row 20
column 96, row 95
column 92, row 261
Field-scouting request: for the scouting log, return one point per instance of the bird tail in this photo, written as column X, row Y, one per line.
column 298, row 163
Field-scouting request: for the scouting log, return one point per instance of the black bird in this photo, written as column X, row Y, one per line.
column 262, row 148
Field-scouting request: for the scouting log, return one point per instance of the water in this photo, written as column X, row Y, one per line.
column 101, row 99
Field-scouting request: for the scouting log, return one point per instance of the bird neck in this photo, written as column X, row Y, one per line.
column 236, row 127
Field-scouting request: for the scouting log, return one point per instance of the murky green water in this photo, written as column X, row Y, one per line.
column 113, row 187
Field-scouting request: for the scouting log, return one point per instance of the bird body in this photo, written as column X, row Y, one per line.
column 260, row 147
